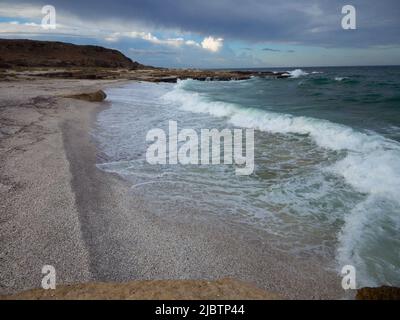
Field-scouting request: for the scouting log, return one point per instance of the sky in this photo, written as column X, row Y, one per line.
column 218, row 33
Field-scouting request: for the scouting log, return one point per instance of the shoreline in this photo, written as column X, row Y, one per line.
column 104, row 234
column 39, row 220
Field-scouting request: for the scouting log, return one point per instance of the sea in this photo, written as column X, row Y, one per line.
column 326, row 180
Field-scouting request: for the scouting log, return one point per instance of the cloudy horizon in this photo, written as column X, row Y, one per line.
column 218, row 34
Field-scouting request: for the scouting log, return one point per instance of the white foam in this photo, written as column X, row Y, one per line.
column 371, row 164
column 368, row 240
column 297, row 73
column 325, row 133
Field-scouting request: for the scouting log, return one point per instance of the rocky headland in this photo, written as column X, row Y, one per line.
column 44, row 59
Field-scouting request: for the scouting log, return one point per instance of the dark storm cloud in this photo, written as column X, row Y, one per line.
column 272, row 50
column 276, row 50
column 306, row 22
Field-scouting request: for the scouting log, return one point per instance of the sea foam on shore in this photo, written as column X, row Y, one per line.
column 320, row 187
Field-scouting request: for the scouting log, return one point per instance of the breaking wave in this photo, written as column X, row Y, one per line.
column 371, row 165
column 297, row 73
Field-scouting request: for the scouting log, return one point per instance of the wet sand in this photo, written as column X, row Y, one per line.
column 57, row 208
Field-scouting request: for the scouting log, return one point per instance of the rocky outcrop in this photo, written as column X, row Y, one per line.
column 32, row 59
column 96, row 96
column 148, row 75
column 31, row 53
column 380, row 293
column 172, row 75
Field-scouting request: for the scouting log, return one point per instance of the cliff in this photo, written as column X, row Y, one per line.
column 31, row 53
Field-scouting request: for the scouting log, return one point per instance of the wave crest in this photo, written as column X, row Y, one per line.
column 371, row 164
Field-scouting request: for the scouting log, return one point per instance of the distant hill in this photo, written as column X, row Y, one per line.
column 32, row 53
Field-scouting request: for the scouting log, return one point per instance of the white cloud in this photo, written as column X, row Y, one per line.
column 112, row 37
column 147, row 36
column 31, row 24
column 192, row 43
column 110, row 31
column 176, row 42
column 212, row 44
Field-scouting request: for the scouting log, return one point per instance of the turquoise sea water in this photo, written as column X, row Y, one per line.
column 327, row 159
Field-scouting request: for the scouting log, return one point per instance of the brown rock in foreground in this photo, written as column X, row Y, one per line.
column 380, row 293
column 97, row 96
column 32, row 53
column 228, row 289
